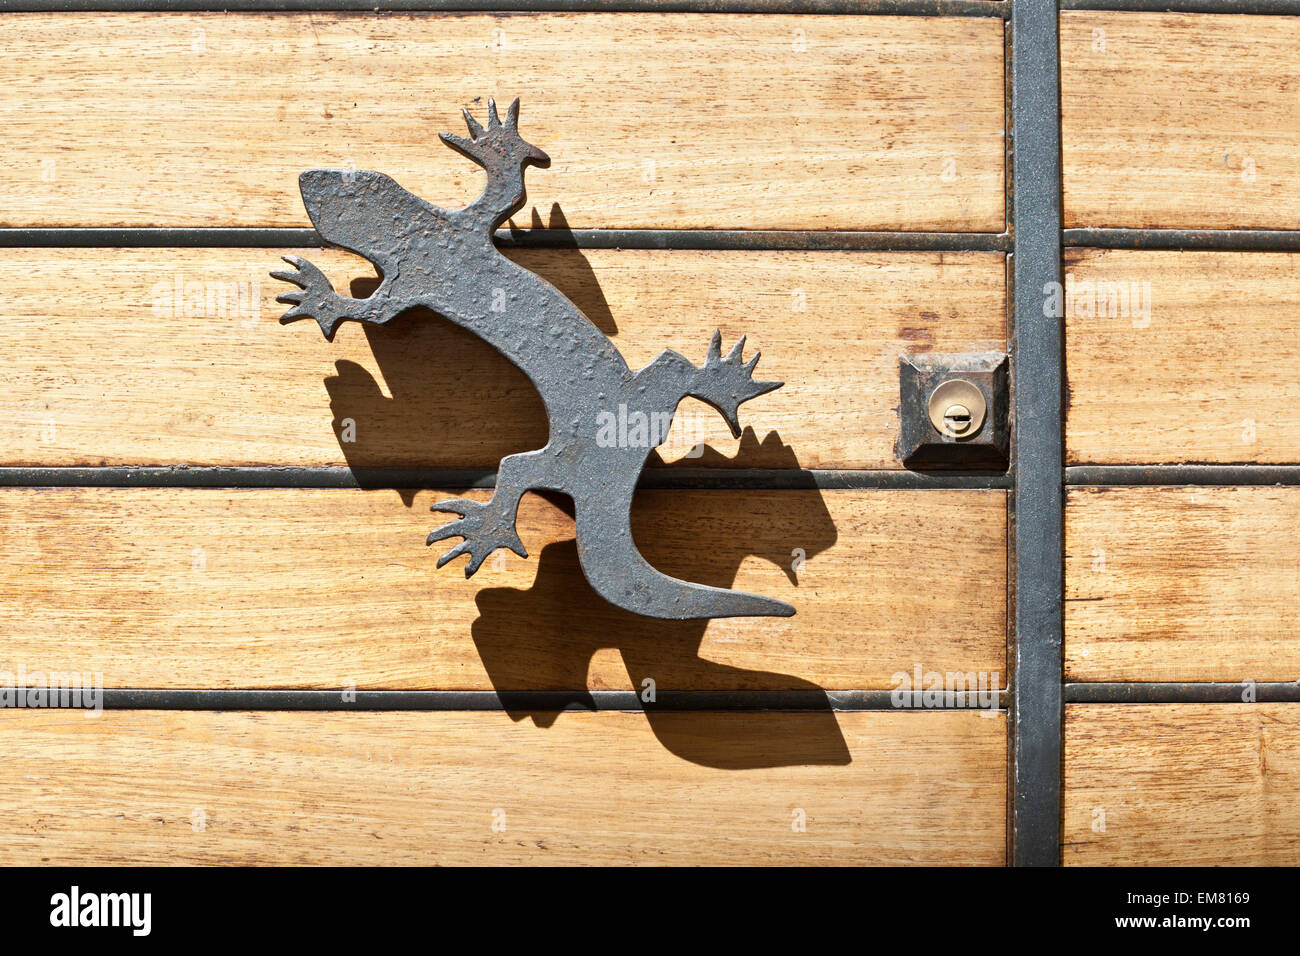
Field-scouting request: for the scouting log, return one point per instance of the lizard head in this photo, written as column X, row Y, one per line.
column 336, row 199
column 499, row 147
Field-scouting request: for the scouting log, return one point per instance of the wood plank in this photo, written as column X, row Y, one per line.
column 310, row 588
column 1176, row 120
column 1182, row 584
column 1222, row 325
column 1182, row 785
column 85, row 385
column 652, row 120
column 404, row 788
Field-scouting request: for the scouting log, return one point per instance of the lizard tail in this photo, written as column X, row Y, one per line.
column 622, row 576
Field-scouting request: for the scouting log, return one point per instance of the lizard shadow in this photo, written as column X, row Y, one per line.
column 545, row 637
column 568, row 624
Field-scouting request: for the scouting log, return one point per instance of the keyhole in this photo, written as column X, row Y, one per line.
column 957, row 418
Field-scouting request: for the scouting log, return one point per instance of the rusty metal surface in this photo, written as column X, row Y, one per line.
column 605, row 419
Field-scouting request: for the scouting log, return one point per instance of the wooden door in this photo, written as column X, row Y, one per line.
column 221, row 520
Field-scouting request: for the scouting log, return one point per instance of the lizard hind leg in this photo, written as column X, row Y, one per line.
column 486, row 526
column 725, row 382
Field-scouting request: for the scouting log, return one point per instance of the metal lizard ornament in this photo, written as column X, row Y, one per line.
column 445, row 260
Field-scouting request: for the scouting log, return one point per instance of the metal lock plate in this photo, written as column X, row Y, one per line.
column 953, row 411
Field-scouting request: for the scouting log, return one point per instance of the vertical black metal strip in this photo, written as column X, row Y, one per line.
column 1039, row 477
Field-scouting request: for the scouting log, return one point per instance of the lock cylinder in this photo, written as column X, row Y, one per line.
column 957, row 408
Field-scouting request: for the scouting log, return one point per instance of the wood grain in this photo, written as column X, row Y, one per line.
column 678, row 120
column 1182, row 584
column 1180, row 120
column 1182, row 785
column 1223, row 326
column 162, row 362
column 275, row 588
column 410, row 788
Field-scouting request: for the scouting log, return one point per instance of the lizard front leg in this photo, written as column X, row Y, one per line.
column 318, row 300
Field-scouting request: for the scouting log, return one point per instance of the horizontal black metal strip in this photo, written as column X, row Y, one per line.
column 911, row 8
column 490, row 700
column 1182, row 693
column 738, row 239
column 160, row 238
column 341, row 476
column 1222, row 240
column 1271, row 7
column 1183, row 475
column 723, row 478
column 256, row 476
